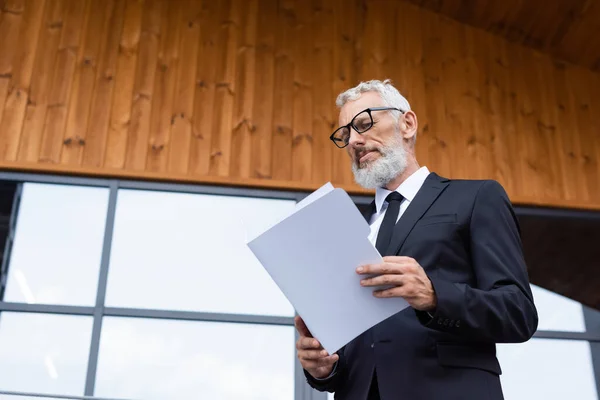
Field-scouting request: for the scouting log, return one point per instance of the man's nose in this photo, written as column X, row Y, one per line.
column 356, row 139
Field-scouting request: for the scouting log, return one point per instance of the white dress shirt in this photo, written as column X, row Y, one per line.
column 408, row 189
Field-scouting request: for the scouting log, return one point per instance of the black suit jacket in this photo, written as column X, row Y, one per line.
column 465, row 235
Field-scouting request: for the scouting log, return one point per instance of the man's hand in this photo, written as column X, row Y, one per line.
column 313, row 357
column 406, row 278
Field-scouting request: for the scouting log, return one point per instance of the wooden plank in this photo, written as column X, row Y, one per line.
column 59, row 97
column 375, row 56
column 562, row 128
column 11, row 123
column 454, row 83
column 592, row 134
column 302, row 136
column 100, row 110
column 220, row 149
column 125, row 78
column 84, row 80
column 321, row 69
column 164, row 89
column 409, row 51
column 283, row 94
column 477, row 110
column 183, row 108
column 262, row 110
column 502, row 114
column 41, row 81
column 211, row 45
column 546, row 129
column 243, row 126
column 143, row 91
column 438, row 122
column 10, row 23
column 346, row 69
column 583, row 87
column 522, row 75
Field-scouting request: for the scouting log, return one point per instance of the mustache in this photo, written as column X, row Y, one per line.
column 366, row 149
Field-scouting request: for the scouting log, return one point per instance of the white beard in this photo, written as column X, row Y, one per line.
column 384, row 169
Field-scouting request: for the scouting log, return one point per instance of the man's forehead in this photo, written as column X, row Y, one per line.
column 351, row 108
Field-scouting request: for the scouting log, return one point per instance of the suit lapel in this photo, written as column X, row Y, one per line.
column 429, row 192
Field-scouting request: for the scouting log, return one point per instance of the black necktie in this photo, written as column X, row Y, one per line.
column 389, row 221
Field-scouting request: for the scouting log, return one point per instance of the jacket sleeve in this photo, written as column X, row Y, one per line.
column 500, row 308
column 333, row 382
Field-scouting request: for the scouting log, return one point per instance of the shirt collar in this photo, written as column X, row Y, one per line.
column 408, row 189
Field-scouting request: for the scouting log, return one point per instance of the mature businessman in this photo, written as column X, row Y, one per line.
column 451, row 248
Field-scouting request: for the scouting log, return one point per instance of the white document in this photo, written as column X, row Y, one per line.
column 312, row 255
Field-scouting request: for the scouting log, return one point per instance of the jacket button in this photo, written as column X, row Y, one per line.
column 372, row 345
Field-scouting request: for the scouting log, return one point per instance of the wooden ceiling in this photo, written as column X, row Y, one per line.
column 568, row 30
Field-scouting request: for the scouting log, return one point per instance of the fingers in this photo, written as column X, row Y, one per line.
column 327, row 361
column 390, row 265
column 407, row 291
column 301, row 327
column 306, row 343
column 312, row 355
column 384, row 268
column 380, row 280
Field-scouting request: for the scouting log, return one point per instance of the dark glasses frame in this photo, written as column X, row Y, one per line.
column 341, row 143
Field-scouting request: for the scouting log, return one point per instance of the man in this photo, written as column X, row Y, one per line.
column 451, row 248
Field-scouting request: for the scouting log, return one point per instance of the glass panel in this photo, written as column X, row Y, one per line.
column 550, row 369
column 44, row 353
column 556, row 312
column 158, row 359
column 188, row 252
column 58, row 245
column 36, row 397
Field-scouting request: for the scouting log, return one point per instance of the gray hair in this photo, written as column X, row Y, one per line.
column 389, row 94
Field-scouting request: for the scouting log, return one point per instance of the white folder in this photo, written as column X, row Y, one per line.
column 312, row 255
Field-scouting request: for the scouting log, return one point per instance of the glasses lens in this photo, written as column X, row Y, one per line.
column 341, row 137
column 362, row 122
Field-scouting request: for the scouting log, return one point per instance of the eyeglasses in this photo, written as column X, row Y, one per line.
column 362, row 122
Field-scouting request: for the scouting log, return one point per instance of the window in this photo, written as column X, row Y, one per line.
column 158, row 359
column 184, row 251
column 59, row 234
column 44, row 353
column 556, row 312
column 188, row 309
column 550, row 369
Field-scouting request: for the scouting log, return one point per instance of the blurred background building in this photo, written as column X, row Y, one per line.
column 142, row 142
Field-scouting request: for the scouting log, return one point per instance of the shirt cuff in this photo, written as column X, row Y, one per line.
column 330, row 375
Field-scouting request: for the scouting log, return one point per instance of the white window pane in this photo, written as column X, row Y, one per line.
column 44, row 353
column 556, row 312
column 28, row 397
column 158, row 359
column 188, row 252
column 57, row 250
column 549, row 369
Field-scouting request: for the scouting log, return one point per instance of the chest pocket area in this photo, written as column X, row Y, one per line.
column 432, row 239
column 437, row 219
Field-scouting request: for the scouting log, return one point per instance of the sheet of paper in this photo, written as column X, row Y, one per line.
column 312, row 256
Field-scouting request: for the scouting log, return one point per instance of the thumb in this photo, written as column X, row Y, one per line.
column 301, row 327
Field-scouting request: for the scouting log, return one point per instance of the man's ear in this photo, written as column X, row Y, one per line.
column 409, row 125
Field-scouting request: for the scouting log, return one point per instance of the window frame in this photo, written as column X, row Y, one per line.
column 98, row 311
